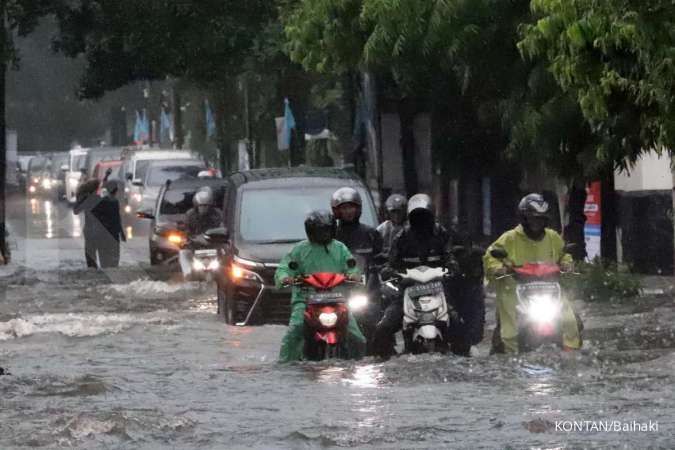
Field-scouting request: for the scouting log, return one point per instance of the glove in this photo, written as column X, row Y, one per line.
column 287, row 281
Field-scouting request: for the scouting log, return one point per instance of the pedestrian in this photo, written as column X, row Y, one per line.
column 108, row 213
column 86, row 201
column 5, row 253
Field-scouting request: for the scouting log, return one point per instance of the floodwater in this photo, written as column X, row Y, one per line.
column 132, row 358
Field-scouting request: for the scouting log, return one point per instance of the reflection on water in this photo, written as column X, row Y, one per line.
column 76, row 226
column 368, row 376
column 130, row 232
column 34, row 206
column 48, row 215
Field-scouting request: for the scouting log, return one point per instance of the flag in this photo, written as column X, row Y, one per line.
column 289, row 124
column 210, row 122
column 166, row 126
column 137, row 129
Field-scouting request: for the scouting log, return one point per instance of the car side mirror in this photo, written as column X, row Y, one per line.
column 145, row 214
column 137, row 182
column 351, row 263
column 499, row 253
column 64, row 168
column 129, row 176
column 217, row 235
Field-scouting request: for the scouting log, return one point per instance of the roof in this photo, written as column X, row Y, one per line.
column 256, row 175
column 174, row 161
column 196, row 183
column 159, row 154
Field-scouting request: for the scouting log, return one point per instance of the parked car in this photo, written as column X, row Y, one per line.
column 135, row 165
column 263, row 213
column 159, row 171
column 173, row 202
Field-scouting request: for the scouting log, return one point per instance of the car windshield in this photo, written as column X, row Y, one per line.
column 37, row 164
column 278, row 215
column 158, row 175
column 179, row 201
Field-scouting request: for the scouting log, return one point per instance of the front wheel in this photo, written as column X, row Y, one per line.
column 331, row 351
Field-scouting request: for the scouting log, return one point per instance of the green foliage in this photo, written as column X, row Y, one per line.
column 21, row 18
column 603, row 281
column 615, row 58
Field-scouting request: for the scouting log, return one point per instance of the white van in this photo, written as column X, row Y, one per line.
column 77, row 162
column 134, row 168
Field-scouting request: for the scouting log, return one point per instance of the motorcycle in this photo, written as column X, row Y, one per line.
column 539, row 303
column 199, row 258
column 330, row 297
column 426, row 316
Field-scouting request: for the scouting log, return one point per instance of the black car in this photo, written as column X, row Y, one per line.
column 173, row 202
column 263, row 213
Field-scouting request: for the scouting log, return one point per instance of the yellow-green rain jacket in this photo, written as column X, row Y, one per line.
column 521, row 249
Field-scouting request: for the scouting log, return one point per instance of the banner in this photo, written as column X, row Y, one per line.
column 593, row 227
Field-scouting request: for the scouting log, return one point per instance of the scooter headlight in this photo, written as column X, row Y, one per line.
column 358, row 302
column 214, row 264
column 542, row 309
column 328, row 320
column 138, row 198
column 198, row 265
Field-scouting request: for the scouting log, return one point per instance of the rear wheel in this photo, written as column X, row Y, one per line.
column 429, row 345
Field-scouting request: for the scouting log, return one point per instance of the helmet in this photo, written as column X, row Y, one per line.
column 533, row 214
column 533, row 205
column 395, row 202
column 320, row 227
column 344, row 196
column 203, row 197
column 421, row 213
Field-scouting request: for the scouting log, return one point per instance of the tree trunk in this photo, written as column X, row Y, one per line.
column 3, row 128
column 574, row 231
column 406, row 112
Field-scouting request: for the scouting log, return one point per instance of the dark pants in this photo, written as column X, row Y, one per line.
column 105, row 247
column 467, row 299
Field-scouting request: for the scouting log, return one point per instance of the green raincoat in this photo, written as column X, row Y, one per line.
column 521, row 250
column 313, row 258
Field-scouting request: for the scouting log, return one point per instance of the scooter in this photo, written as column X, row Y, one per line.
column 539, row 303
column 199, row 258
column 330, row 298
column 426, row 316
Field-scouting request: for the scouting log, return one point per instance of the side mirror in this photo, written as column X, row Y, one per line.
column 293, row 265
column 217, row 235
column 145, row 214
column 129, row 176
column 137, row 182
column 499, row 253
column 64, row 168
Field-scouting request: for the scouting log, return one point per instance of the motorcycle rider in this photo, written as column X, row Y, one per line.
column 423, row 241
column 396, row 206
column 320, row 252
column 530, row 241
column 203, row 216
column 364, row 242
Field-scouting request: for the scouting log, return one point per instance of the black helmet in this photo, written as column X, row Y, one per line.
column 343, row 196
column 396, row 202
column 421, row 212
column 320, row 227
column 533, row 205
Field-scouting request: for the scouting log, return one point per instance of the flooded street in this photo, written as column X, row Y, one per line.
column 132, row 358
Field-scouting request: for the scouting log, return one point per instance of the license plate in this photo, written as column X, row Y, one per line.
column 419, row 290
column 207, row 252
column 327, row 297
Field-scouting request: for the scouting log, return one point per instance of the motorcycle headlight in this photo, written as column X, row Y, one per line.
column 47, row 183
column 138, row 198
column 328, row 320
column 198, row 265
column 358, row 302
column 542, row 309
column 175, row 238
column 31, row 189
column 214, row 264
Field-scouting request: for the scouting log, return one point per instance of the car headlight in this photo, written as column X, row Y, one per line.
column 358, row 302
column 47, row 183
column 239, row 273
column 214, row 264
column 175, row 238
column 138, row 198
column 328, row 320
column 198, row 264
column 36, row 180
column 127, row 209
column 542, row 309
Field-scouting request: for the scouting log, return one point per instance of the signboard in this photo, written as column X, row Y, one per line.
column 593, row 227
